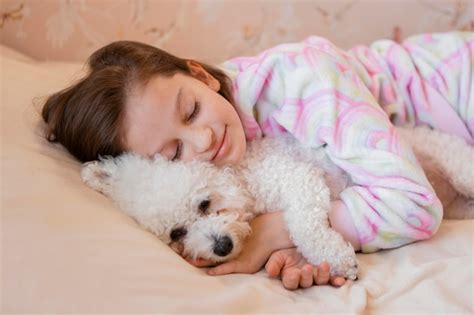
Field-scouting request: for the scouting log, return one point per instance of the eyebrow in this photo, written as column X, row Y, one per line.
column 177, row 102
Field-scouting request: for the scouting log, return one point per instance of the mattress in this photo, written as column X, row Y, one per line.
column 66, row 248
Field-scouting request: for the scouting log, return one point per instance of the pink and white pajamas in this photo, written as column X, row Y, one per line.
column 349, row 102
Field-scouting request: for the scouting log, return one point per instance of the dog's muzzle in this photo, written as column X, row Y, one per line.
column 223, row 246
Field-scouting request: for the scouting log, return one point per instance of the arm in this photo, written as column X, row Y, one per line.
column 281, row 180
column 340, row 220
column 391, row 202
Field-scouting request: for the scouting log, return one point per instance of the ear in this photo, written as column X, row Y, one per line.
column 98, row 175
column 198, row 71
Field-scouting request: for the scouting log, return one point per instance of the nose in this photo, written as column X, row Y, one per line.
column 223, row 246
column 201, row 139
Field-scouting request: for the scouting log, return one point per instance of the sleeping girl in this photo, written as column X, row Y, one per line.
column 138, row 98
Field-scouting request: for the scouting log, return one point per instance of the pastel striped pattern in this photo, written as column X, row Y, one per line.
column 349, row 100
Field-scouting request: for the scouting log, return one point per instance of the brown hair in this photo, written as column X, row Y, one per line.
column 86, row 118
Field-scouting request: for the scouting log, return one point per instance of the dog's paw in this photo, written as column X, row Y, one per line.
column 352, row 271
column 96, row 175
column 347, row 265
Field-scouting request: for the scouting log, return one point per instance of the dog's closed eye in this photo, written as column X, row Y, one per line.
column 204, row 205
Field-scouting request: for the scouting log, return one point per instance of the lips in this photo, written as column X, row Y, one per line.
column 221, row 144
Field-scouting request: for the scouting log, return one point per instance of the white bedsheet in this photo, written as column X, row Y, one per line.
column 66, row 248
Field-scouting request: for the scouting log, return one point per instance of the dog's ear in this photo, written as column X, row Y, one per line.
column 99, row 175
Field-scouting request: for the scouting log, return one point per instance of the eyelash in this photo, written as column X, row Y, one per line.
column 197, row 108
column 178, row 152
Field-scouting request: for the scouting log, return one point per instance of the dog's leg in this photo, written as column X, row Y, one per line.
column 448, row 162
column 300, row 191
column 307, row 220
column 449, row 154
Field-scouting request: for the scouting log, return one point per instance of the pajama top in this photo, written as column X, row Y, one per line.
column 349, row 101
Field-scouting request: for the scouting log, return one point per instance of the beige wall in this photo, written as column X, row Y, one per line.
column 214, row 30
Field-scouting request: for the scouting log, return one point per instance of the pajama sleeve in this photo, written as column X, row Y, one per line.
column 324, row 102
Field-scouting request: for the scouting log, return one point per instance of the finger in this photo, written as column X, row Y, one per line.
column 229, row 267
column 274, row 265
column 337, row 281
column 306, row 276
column 291, row 279
column 323, row 274
column 199, row 262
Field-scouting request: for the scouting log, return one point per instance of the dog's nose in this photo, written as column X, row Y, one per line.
column 177, row 234
column 223, row 246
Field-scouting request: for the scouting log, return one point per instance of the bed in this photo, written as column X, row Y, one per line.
column 66, row 248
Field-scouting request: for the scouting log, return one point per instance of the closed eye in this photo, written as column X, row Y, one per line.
column 179, row 148
column 177, row 155
column 196, row 110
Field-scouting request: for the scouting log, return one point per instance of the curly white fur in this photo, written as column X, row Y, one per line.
column 276, row 174
column 203, row 211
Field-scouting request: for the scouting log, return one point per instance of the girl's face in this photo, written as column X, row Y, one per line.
column 184, row 118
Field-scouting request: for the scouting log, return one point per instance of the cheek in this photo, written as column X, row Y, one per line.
column 239, row 147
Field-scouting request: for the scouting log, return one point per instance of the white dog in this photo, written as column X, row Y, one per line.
column 203, row 211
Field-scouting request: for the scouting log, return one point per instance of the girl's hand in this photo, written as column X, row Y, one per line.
column 295, row 271
column 269, row 234
column 270, row 242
